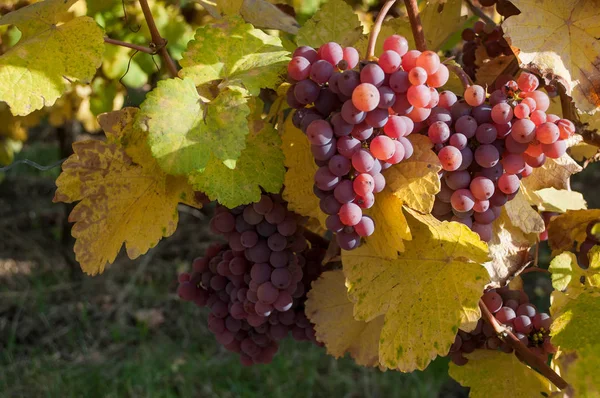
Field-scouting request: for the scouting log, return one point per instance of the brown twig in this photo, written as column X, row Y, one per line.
column 377, row 28
column 143, row 49
column 157, row 40
column 529, row 357
column 479, row 12
column 412, row 8
column 462, row 75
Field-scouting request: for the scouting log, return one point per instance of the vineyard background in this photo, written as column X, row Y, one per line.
column 125, row 332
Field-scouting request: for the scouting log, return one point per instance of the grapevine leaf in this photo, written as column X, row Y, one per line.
column 263, row 14
column 509, row 250
column 31, row 74
column 259, row 166
column 581, row 370
column 335, row 21
column 555, row 173
column 301, row 168
column 502, row 371
column 522, row 215
column 566, row 273
column 570, row 228
column 329, row 308
column 489, row 70
column 583, row 151
column 440, row 20
column 391, row 228
column 237, row 53
column 183, row 132
column 120, row 201
column 416, row 180
column 440, row 272
column 559, row 200
column 575, row 319
column 565, row 43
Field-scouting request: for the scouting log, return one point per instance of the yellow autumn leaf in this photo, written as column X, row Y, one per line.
column 559, row 200
column 120, row 201
column 583, row 151
column 440, row 272
column 415, row 180
column 489, row 69
column 566, row 273
column 522, row 215
column 509, row 249
column 299, row 178
column 569, row 229
column 495, row 374
column 555, row 173
column 561, row 37
column 329, row 308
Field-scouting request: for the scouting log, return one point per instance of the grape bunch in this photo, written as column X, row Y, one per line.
column 357, row 117
column 488, row 35
column 512, row 309
column 503, row 7
column 255, row 286
column 487, row 145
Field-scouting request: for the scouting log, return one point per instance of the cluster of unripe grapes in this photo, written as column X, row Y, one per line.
column 489, row 36
column 357, row 116
column 487, row 145
column 255, row 286
column 512, row 309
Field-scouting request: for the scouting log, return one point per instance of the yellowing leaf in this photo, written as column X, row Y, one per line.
column 583, row 151
column 299, row 178
column 259, row 166
column 489, row 70
column 509, row 249
column 120, row 201
column 560, row 201
column 335, row 21
column 391, row 228
column 522, row 215
column 329, row 308
column 440, row 272
column 495, row 374
column 565, row 43
column 415, row 180
column 263, row 14
column 567, row 274
column 575, row 324
column 54, row 51
column 237, row 53
column 555, row 173
column 570, row 228
column 580, row 370
column 184, row 132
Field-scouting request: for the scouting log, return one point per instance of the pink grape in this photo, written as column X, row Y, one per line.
column 534, row 149
column 521, row 111
column 331, row 52
column 435, row 98
column 387, row 97
column 513, row 146
column 417, row 76
column 542, row 101
column 363, row 184
column 419, row 114
column 307, row 52
column 382, row 147
column 458, row 179
column 481, row 206
column 379, row 180
column 482, row 188
column 319, row 132
column 566, row 128
column 447, row 99
column 542, row 321
column 350, row 214
column 537, row 117
column 486, row 155
column 530, row 102
column 402, row 106
column 526, row 309
column 395, row 127
column 351, row 56
column 299, row 68
column 508, row 183
column 475, row 95
column 429, row 61
column 502, row 113
column 522, row 324
column 527, row 82
column 506, row 315
column 462, row 200
column 418, row 96
column 321, row 71
column 466, row 125
column 362, row 131
column 365, row 97
column 400, row 153
column 377, row 118
column 513, row 163
column 552, row 118
column 347, row 146
column 493, row 301
column 535, row 161
column 450, row 158
column 399, row 82
column 523, row 131
column 390, row 61
column 458, row 141
column 547, row 133
column 409, row 60
column 365, row 227
column 366, row 202
column 362, row 161
column 396, row 43
column 439, row 78
column 373, row 74
column 555, row 150
column 438, row 132
column 344, row 192
column 463, row 220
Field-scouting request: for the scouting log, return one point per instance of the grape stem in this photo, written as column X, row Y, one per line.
column 479, row 12
column 315, row 239
column 458, row 71
column 157, row 40
column 591, row 137
column 529, row 357
column 377, row 28
column 139, row 48
column 412, row 8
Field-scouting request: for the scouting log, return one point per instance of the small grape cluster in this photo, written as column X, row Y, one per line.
column 489, row 36
column 592, row 239
column 486, row 146
column 357, row 122
column 512, row 309
column 503, row 7
column 255, row 286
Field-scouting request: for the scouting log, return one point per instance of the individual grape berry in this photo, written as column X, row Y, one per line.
column 396, row 43
column 382, row 147
column 350, row 214
column 390, row 61
column 429, row 61
column 475, row 95
column 365, row 97
column 450, row 158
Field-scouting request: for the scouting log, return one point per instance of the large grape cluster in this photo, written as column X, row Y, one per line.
column 255, row 286
column 512, row 309
column 486, row 145
column 357, row 119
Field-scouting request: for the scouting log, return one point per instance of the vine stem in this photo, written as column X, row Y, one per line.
column 377, row 28
column 462, row 75
column 479, row 12
column 157, row 39
column 412, row 8
column 529, row 357
column 139, row 48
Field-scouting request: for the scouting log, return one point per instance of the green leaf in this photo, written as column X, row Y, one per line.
column 576, row 318
column 261, row 165
column 566, row 273
column 183, row 131
column 50, row 55
column 237, row 53
column 336, row 21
